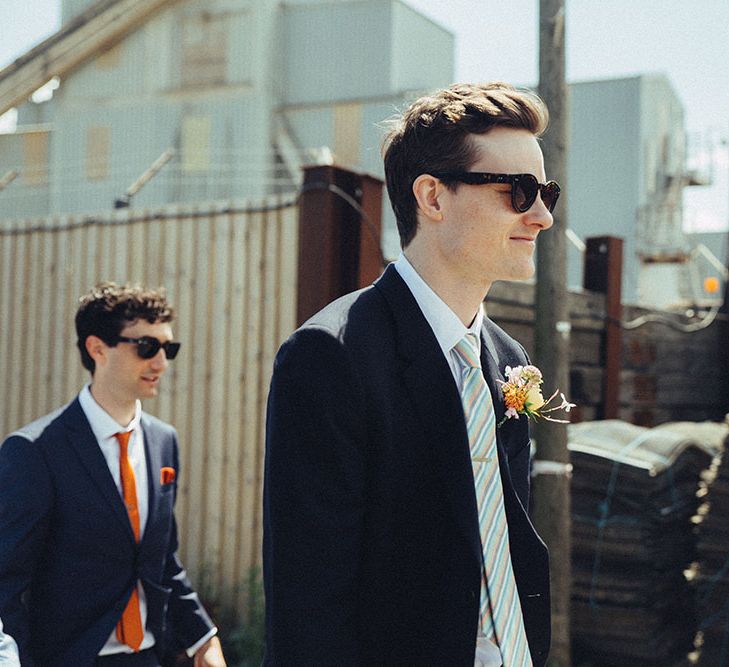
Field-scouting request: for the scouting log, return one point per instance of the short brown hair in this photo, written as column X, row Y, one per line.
column 109, row 307
column 432, row 136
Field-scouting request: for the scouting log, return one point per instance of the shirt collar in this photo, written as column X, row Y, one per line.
column 102, row 423
column 446, row 325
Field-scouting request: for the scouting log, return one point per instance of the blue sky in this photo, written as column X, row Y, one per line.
column 688, row 41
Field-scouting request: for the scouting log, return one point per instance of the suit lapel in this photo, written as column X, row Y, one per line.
column 493, row 374
column 430, row 384
column 83, row 441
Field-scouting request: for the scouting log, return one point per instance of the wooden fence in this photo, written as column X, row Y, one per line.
column 230, row 271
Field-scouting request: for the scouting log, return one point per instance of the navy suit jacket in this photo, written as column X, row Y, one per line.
column 68, row 558
column 372, row 554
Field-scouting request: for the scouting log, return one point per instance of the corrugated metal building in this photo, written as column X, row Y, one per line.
column 245, row 92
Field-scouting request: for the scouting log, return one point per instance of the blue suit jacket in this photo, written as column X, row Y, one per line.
column 68, row 558
column 372, row 554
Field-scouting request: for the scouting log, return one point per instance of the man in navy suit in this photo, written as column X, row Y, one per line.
column 89, row 573
column 372, row 551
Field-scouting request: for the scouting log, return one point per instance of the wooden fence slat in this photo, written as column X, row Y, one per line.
column 289, row 239
column 65, row 308
column 217, row 363
column 165, row 278
column 231, row 327
column 181, row 416
column 249, row 507
column 243, row 383
column 34, row 347
column 268, row 346
column 196, row 436
column 16, row 386
column 7, row 272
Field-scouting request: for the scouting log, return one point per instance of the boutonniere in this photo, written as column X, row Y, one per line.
column 523, row 396
column 166, row 475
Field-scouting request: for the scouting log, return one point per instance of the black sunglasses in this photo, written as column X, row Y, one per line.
column 524, row 187
column 148, row 346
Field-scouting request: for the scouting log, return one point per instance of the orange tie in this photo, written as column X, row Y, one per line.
column 129, row 629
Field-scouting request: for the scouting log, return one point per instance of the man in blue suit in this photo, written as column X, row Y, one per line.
column 89, row 573
column 372, row 546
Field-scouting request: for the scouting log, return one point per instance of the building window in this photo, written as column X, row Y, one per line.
column 195, row 144
column 204, row 50
column 98, row 152
column 35, row 158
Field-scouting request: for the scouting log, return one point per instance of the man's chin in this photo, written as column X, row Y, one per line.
column 525, row 272
column 149, row 390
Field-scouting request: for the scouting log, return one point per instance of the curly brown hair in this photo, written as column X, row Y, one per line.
column 433, row 135
column 109, row 307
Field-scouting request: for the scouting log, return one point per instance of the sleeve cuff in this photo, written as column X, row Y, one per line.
column 194, row 648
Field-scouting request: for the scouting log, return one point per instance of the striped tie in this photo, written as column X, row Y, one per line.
column 501, row 616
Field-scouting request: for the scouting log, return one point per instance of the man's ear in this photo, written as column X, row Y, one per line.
column 427, row 190
column 97, row 349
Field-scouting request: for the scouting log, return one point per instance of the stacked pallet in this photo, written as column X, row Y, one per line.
column 633, row 499
column 711, row 579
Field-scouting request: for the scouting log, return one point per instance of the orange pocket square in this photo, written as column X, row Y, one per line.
column 166, row 475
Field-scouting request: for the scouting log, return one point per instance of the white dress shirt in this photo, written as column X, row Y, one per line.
column 104, row 426
column 449, row 330
column 446, row 325
column 8, row 650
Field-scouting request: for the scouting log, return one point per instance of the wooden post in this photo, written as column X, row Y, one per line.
column 371, row 260
column 551, row 470
column 603, row 273
column 725, row 305
column 339, row 236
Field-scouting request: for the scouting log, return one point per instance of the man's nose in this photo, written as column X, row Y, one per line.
column 159, row 361
column 540, row 215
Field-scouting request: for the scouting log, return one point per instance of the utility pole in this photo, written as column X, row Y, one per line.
column 552, row 471
column 725, row 305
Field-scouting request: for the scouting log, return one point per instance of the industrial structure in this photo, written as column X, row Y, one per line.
column 165, row 101
column 243, row 92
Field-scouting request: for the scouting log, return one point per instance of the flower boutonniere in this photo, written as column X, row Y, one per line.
column 523, row 396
